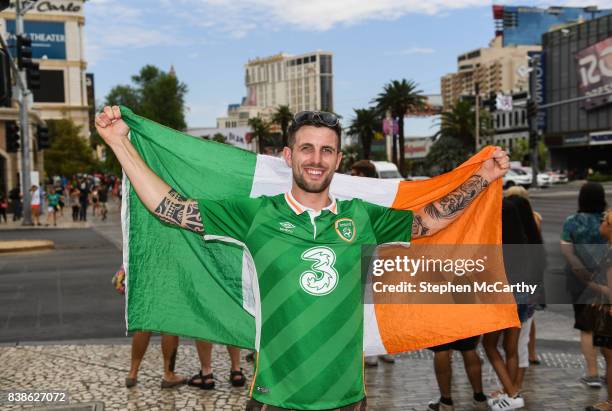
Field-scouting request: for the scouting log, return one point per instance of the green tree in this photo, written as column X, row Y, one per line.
column 460, row 123
column 162, row 97
column 283, row 116
column 446, row 153
column 366, row 122
column 69, row 153
column 399, row 97
column 154, row 94
column 261, row 131
column 520, row 149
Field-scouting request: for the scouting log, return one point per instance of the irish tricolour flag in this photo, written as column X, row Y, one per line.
column 178, row 284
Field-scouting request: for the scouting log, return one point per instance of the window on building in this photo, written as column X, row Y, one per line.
column 510, row 119
column 503, row 116
column 51, row 87
column 516, row 118
column 497, row 121
column 523, row 119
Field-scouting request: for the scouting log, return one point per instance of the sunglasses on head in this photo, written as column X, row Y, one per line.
column 316, row 117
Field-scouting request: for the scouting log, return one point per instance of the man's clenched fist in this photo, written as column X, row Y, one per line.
column 110, row 126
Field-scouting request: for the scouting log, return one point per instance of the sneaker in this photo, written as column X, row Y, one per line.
column 494, row 396
column 593, row 382
column 480, row 405
column 435, row 405
column 506, row 403
column 371, row 361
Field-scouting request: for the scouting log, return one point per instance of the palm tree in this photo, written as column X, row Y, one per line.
column 460, row 123
column 399, row 97
column 283, row 116
column 261, row 131
column 366, row 122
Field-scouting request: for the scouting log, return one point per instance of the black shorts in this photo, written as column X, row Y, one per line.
column 604, row 341
column 466, row 344
column 583, row 321
column 254, row 405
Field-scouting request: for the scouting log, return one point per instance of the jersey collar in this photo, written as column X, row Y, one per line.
column 300, row 208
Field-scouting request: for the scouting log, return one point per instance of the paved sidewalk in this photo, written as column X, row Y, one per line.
column 92, row 372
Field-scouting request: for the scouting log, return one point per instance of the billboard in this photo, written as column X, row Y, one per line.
column 48, row 38
column 594, row 65
column 538, row 86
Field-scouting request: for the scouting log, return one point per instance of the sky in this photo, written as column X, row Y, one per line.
column 209, row 41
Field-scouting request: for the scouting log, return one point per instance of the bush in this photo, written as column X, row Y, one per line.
column 599, row 177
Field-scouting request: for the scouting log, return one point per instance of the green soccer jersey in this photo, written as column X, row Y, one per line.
column 307, row 291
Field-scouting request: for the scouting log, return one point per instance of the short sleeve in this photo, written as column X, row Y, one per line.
column 228, row 218
column 389, row 225
column 567, row 233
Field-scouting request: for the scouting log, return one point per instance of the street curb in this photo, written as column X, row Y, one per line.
column 14, row 246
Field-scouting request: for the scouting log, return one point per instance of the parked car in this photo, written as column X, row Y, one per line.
column 544, row 180
column 386, row 169
column 516, row 177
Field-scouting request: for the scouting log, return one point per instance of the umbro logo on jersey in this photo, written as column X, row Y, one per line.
column 345, row 227
column 263, row 390
column 286, row 226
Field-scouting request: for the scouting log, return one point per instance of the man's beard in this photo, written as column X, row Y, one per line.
column 318, row 187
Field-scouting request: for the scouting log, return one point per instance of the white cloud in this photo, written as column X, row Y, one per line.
column 112, row 27
column 411, row 50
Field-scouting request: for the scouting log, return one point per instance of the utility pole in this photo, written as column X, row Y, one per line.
column 23, row 97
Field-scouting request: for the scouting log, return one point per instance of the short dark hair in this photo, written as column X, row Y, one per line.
column 293, row 129
column 592, row 198
column 365, row 168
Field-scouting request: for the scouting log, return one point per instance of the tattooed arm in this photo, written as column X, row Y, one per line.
column 439, row 214
column 154, row 193
column 178, row 210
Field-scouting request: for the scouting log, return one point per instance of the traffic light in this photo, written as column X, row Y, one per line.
column 533, row 139
column 33, row 76
column 5, row 79
column 532, row 110
column 24, row 51
column 12, row 136
column 42, row 137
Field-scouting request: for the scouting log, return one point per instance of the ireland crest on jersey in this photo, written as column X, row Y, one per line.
column 345, row 227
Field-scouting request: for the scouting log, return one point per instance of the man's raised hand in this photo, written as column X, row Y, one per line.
column 497, row 166
column 110, row 126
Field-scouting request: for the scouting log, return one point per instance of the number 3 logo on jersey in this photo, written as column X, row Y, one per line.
column 323, row 278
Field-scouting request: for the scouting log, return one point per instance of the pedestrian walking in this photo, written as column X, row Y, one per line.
column 53, row 200
column 533, row 261
column 74, row 203
column 16, row 205
column 602, row 336
column 581, row 245
column 103, row 199
column 35, row 204
column 84, row 198
column 3, row 207
column 506, row 366
column 94, row 200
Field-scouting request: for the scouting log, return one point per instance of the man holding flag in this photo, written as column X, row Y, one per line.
column 304, row 249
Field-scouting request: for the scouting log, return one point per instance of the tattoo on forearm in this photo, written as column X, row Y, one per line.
column 452, row 204
column 176, row 209
column 418, row 227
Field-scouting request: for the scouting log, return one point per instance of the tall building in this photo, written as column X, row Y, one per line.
column 577, row 89
column 520, row 25
column 494, row 69
column 303, row 82
column 56, row 29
